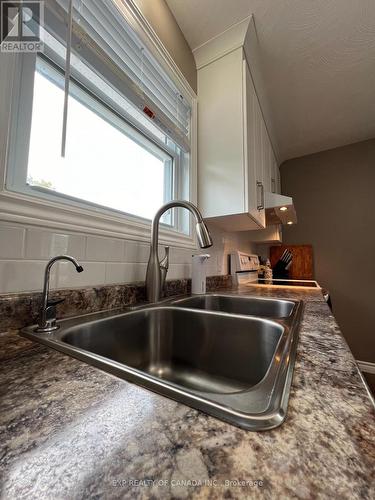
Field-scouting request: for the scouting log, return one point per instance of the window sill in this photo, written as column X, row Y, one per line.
column 23, row 209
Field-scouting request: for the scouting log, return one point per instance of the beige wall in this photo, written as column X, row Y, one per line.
column 161, row 19
column 334, row 194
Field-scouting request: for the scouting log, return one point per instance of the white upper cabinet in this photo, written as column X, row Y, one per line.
column 236, row 162
column 254, row 180
column 221, row 162
column 271, row 169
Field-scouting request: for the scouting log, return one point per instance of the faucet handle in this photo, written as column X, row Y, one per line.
column 164, row 264
column 51, row 310
column 54, row 302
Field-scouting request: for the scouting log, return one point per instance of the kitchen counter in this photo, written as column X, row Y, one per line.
column 71, row 431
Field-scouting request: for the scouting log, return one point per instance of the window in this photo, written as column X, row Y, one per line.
column 107, row 161
column 129, row 136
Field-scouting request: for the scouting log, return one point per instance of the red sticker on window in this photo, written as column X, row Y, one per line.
column 148, row 112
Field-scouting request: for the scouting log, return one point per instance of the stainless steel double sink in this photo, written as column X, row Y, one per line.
column 230, row 356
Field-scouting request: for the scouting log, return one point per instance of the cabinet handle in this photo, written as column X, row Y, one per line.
column 261, row 205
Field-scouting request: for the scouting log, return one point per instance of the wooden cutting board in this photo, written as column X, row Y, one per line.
column 302, row 265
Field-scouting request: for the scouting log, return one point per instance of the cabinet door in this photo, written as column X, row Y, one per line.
column 278, row 180
column 221, row 179
column 253, row 149
column 274, row 169
column 276, row 188
column 259, row 161
column 267, row 159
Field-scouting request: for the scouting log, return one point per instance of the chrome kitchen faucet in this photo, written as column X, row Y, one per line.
column 156, row 271
column 47, row 315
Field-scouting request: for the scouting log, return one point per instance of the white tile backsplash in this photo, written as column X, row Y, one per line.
column 182, row 255
column 135, row 272
column 178, row 271
column 212, row 265
column 23, row 275
column 67, row 276
column 104, row 249
column 25, row 250
column 43, row 244
column 11, row 242
column 136, row 251
column 114, row 273
column 124, row 272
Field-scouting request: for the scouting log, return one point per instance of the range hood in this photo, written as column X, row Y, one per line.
column 279, row 209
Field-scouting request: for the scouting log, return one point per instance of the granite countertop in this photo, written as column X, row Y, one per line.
column 71, row 431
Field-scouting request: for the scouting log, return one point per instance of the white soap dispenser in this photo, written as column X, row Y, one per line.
column 198, row 275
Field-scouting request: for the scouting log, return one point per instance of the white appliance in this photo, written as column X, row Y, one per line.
column 199, row 273
column 244, row 267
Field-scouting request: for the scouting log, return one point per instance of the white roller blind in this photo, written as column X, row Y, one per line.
column 101, row 33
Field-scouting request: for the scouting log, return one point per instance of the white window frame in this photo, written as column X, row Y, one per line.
column 17, row 165
column 48, row 211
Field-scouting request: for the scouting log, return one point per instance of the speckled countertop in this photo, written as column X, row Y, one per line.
column 71, row 431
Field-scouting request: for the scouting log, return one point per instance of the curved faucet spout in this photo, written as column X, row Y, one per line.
column 154, row 279
column 47, row 316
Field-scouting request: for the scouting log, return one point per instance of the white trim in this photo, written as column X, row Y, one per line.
column 222, row 44
column 26, row 209
column 22, row 209
column 8, row 64
column 194, row 152
column 236, row 36
column 143, row 24
column 366, row 367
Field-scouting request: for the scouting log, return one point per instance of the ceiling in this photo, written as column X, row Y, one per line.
column 317, row 62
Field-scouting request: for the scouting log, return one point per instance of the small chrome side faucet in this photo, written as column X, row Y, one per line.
column 47, row 315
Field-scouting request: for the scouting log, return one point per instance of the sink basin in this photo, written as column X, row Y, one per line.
column 235, row 367
column 254, row 306
column 185, row 347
